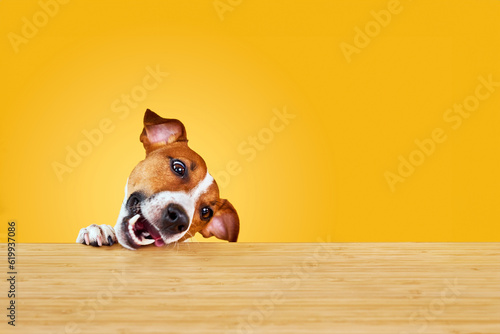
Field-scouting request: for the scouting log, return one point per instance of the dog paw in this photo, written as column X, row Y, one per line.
column 97, row 235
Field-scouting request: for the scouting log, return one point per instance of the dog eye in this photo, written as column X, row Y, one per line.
column 178, row 167
column 206, row 213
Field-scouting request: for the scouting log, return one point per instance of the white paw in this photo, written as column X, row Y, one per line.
column 97, row 235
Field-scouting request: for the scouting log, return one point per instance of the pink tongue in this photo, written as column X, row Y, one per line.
column 159, row 242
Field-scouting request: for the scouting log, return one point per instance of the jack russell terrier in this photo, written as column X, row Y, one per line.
column 169, row 196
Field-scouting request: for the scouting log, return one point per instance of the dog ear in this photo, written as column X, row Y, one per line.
column 160, row 131
column 224, row 225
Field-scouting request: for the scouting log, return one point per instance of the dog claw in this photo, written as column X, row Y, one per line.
column 97, row 235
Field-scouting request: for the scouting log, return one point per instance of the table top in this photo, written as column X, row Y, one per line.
column 256, row 288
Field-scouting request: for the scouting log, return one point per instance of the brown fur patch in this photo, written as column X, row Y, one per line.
column 154, row 173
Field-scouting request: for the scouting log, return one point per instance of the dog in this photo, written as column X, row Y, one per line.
column 169, row 196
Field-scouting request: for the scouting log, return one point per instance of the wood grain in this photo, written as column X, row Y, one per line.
column 257, row 288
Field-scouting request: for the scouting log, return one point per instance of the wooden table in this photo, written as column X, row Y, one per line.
column 256, row 288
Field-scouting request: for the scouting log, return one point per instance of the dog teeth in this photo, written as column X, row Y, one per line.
column 133, row 220
column 145, row 234
column 142, row 241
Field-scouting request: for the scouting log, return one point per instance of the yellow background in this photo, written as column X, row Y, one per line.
column 322, row 177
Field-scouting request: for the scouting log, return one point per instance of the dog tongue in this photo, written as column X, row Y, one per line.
column 144, row 225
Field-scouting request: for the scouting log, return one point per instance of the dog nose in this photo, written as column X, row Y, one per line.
column 175, row 219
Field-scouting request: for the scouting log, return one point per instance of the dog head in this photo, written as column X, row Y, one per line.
column 170, row 195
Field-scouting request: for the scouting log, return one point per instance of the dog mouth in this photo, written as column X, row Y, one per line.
column 142, row 233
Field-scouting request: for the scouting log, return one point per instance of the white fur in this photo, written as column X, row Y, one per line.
column 96, row 233
column 121, row 215
column 152, row 209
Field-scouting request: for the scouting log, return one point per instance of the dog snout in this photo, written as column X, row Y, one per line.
column 175, row 219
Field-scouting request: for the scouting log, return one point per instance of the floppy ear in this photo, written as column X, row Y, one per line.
column 224, row 225
column 160, row 131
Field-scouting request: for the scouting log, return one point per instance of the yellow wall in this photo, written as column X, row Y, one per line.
column 360, row 102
